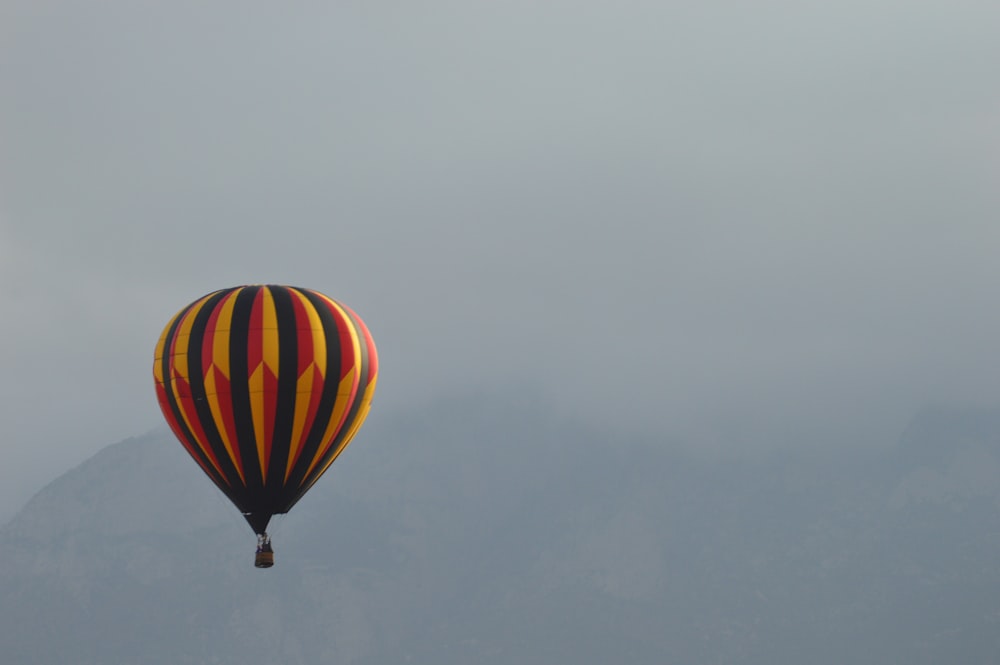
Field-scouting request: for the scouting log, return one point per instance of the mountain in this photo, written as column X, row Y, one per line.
column 481, row 529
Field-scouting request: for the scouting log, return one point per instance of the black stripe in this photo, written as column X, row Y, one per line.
column 196, row 378
column 175, row 409
column 327, row 401
column 288, row 360
column 239, row 382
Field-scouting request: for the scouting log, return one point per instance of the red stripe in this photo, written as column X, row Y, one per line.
column 181, row 395
column 186, row 403
column 270, row 411
column 228, row 418
column 369, row 343
column 314, row 398
column 221, row 382
column 178, row 431
column 305, row 337
column 255, row 360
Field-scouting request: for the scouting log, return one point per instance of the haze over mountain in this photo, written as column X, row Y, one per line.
column 696, row 220
column 482, row 530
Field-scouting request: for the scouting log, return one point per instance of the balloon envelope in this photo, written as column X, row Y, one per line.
column 265, row 386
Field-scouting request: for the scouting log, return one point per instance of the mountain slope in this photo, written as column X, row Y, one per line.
column 482, row 530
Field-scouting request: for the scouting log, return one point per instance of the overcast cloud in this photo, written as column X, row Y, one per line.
column 732, row 224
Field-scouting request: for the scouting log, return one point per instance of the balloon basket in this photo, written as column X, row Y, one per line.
column 263, row 560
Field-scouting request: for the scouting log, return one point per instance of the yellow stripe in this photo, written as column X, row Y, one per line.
column 179, row 360
column 220, row 362
column 161, row 346
column 318, row 338
column 220, row 345
column 341, row 404
column 269, row 353
column 363, row 409
column 303, row 396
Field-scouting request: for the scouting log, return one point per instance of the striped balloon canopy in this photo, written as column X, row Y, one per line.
column 264, row 386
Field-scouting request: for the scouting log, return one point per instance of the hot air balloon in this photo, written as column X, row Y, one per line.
column 264, row 386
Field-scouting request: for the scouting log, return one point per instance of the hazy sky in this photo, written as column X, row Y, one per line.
column 732, row 223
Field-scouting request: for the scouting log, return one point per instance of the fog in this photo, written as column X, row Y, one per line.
column 729, row 226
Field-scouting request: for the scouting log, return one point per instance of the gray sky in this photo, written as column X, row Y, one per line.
column 736, row 224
